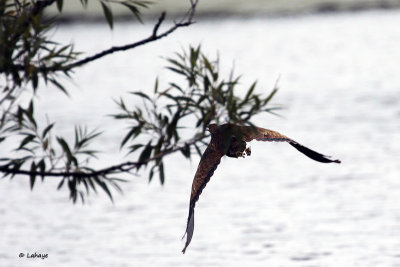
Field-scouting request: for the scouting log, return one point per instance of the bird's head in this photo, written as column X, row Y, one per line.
column 212, row 128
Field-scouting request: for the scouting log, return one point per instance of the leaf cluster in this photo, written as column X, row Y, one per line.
column 45, row 154
column 168, row 119
column 27, row 55
column 134, row 6
column 29, row 59
column 176, row 118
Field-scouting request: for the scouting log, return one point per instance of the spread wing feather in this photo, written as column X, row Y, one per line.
column 261, row 134
column 208, row 164
column 214, row 152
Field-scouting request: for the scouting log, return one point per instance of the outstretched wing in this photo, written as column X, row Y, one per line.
column 260, row 134
column 208, row 164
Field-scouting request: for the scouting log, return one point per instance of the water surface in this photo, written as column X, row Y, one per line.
column 340, row 85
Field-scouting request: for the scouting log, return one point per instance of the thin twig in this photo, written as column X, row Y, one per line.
column 153, row 37
column 160, row 20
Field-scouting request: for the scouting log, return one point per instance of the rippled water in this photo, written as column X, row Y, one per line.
column 340, row 85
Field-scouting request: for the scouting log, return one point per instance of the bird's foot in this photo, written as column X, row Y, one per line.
column 248, row 151
column 240, row 154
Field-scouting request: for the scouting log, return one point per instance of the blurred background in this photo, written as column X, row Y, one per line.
column 336, row 64
column 235, row 7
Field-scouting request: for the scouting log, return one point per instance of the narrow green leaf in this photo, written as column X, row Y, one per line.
column 135, row 147
column 114, row 183
column 84, row 3
column 91, row 184
column 135, row 11
column 60, row 5
column 143, row 95
column 83, row 138
column 198, row 150
column 208, row 65
column 82, row 197
column 172, row 126
column 206, row 83
column 145, row 153
column 270, row 96
column 151, row 174
column 58, row 85
column 47, row 129
column 104, row 186
column 194, row 54
column 177, row 71
column 42, row 167
column 29, row 138
column 186, row 151
column 184, row 98
column 250, row 91
column 32, row 175
column 72, row 189
column 35, row 80
column 156, row 86
column 134, row 131
column 65, row 148
column 215, row 76
column 108, row 14
column 161, row 173
column 61, row 183
column 176, row 63
column 30, row 114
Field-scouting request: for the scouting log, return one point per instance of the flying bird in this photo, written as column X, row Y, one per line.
column 231, row 140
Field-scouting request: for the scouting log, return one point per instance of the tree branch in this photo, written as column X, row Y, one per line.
column 120, row 168
column 186, row 21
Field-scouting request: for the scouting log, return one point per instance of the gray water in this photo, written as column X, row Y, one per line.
column 340, row 86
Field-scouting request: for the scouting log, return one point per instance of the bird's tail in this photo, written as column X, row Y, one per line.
column 313, row 154
column 189, row 229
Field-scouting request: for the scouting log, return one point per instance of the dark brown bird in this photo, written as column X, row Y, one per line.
column 231, row 140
